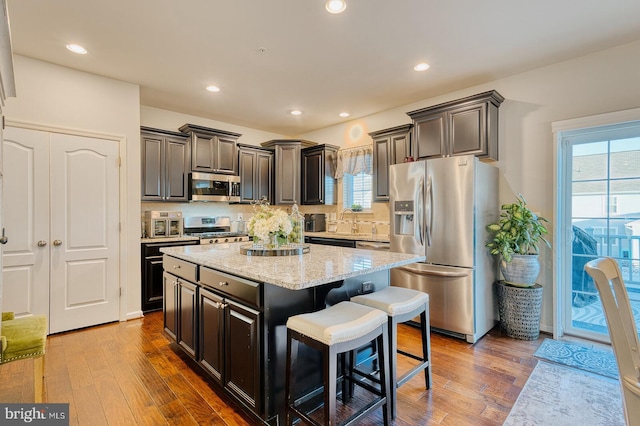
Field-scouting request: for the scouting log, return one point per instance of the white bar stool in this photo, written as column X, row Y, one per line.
column 402, row 304
column 335, row 331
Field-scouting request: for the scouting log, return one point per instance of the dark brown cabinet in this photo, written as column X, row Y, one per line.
column 461, row 127
column 255, row 168
column 170, row 305
column 212, row 150
column 165, row 164
column 318, row 171
column 187, row 316
column 390, row 146
column 242, row 354
column 152, row 289
column 287, row 179
column 212, row 333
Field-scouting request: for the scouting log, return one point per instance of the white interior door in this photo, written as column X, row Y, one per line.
column 85, row 286
column 61, row 210
column 26, row 220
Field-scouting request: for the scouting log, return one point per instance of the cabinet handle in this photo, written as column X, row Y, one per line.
column 176, row 266
column 57, row 242
column 223, row 283
column 42, row 243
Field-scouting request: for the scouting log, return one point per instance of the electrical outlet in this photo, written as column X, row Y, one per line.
column 366, row 287
column 239, row 216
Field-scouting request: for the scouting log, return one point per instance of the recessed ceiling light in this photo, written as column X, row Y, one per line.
column 335, row 6
column 213, row 88
column 422, row 66
column 76, row 48
column 344, row 114
column 295, row 112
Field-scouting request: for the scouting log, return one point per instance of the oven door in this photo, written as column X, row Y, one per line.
column 214, row 187
column 159, row 228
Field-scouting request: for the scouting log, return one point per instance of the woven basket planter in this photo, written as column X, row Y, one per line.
column 519, row 309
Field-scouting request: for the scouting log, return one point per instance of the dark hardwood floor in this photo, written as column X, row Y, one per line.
column 128, row 373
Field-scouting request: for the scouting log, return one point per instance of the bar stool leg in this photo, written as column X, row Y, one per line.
column 426, row 345
column 292, row 356
column 385, row 380
column 393, row 368
column 330, row 373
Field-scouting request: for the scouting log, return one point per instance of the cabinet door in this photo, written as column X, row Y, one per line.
column 242, row 356
column 313, row 177
column 381, row 161
column 226, row 158
column 152, row 284
column 170, row 286
column 287, row 174
column 211, row 323
column 152, row 168
column 467, row 130
column 247, row 171
column 400, row 148
column 187, row 319
column 264, row 176
column 176, row 170
column 430, row 136
column 202, row 153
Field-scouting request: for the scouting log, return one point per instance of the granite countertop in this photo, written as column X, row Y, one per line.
column 322, row 265
column 168, row 239
column 344, row 236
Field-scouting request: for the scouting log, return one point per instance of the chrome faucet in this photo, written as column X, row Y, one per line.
column 354, row 225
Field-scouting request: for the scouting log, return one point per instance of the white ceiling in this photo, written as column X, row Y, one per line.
column 359, row 61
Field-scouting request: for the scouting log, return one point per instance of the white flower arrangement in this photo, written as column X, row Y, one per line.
column 267, row 222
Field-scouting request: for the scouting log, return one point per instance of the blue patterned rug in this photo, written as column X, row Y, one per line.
column 598, row 361
column 560, row 396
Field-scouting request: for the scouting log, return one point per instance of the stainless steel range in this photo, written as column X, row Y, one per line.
column 212, row 230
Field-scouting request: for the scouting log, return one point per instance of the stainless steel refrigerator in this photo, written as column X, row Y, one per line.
column 441, row 207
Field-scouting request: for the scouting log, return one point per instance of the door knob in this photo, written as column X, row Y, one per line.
column 57, row 242
column 42, row 243
column 3, row 239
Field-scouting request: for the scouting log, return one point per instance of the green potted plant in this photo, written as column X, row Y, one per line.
column 356, row 207
column 515, row 239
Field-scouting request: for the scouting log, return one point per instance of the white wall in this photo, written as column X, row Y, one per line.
column 53, row 96
column 169, row 120
column 602, row 82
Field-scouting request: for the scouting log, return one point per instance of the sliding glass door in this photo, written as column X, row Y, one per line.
column 601, row 217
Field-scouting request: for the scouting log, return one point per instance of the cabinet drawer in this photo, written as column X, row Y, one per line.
column 248, row 291
column 181, row 268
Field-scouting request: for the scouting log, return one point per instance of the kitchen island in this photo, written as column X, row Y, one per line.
column 228, row 311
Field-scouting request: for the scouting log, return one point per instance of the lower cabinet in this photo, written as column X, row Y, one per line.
column 229, row 345
column 180, row 312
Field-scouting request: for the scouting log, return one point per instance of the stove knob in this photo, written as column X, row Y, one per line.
column 215, row 241
column 226, row 240
column 210, row 241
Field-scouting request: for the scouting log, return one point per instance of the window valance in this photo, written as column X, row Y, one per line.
column 355, row 160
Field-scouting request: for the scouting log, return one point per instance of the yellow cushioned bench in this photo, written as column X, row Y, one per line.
column 25, row 338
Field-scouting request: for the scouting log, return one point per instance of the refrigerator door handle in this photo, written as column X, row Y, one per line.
column 421, row 211
column 433, row 272
column 429, row 210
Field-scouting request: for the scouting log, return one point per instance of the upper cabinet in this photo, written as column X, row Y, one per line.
column 287, row 180
column 318, row 171
column 255, row 168
column 461, row 127
column 390, row 146
column 165, row 165
column 212, row 150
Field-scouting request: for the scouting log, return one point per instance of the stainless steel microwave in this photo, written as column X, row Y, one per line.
column 214, row 187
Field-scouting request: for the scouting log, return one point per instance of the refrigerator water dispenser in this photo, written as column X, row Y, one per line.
column 403, row 216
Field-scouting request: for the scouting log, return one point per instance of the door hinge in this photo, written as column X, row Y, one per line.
column 119, row 161
column 119, row 226
column 120, row 291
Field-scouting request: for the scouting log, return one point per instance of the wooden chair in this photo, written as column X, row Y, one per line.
column 24, row 338
column 623, row 331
